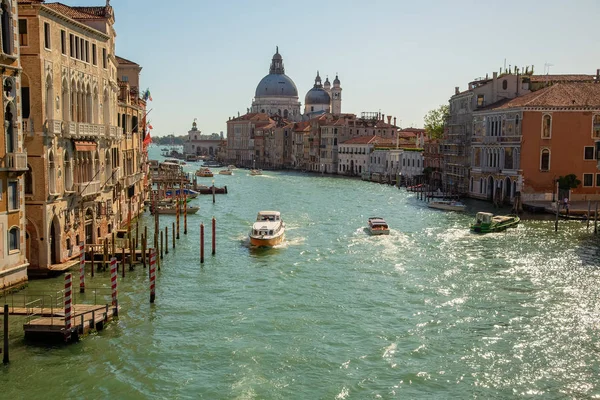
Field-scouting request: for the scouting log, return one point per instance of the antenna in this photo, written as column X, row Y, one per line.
column 547, row 66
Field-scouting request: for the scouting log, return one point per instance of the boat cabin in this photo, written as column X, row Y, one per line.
column 268, row 216
column 484, row 218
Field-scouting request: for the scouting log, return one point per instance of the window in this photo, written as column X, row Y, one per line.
column 545, row 160
column 23, row 32
column 504, row 84
column 104, row 61
column 29, row 181
column 480, row 100
column 588, row 153
column 46, row 35
column 597, row 179
column 546, row 126
column 94, row 56
column 588, row 180
column 125, row 78
column 13, row 195
column 77, row 51
column 13, row 239
column 63, row 41
column 87, row 51
column 72, row 45
column 596, row 127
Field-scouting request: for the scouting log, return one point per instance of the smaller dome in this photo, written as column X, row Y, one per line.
column 317, row 95
column 327, row 84
column 336, row 81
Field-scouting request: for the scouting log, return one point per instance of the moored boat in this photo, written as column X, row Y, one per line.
column 448, row 205
column 170, row 209
column 268, row 230
column 204, row 173
column 191, row 194
column 487, row 222
column 378, row 226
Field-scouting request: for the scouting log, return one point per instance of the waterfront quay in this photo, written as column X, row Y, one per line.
column 431, row 310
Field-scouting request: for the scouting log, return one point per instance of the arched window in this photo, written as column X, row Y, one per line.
column 106, row 110
column 545, row 160
column 49, row 98
column 68, row 169
column 13, row 239
column 481, row 186
column 96, row 166
column 51, row 173
column 65, row 100
column 29, row 181
column 9, row 128
column 6, row 20
column 546, row 126
column 504, row 84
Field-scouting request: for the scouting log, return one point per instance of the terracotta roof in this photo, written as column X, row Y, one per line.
column 123, row 61
column 414, row 130
column 571, row 95
column 562, row 78
column 362, row 140
column 78, row 12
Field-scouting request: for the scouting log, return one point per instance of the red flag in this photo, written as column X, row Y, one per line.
column 147, row 139
column 150, row 126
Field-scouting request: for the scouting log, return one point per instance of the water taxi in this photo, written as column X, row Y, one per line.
column 378, row 226
column 448, row 205
column 254, row 172
column 488, row 222
column 204, row 173
column 268, row 230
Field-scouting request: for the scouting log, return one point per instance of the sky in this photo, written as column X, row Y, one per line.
column 203, row 59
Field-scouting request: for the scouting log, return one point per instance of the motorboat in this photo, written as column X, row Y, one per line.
column 231, row 167
column 487, row 222
column 378, row 226
column 254, row 172
column 204, row 173
column 226, row 172
column 172, row 210
column 189, row 193
column 268, row 230
column 448, row 205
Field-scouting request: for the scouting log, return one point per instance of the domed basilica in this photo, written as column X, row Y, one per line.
column 276, row 94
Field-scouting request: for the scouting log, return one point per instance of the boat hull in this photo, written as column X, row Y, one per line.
column 268, row 241
column 447, row 207
column 173, row 211
column 494, row 227
column 378, row 232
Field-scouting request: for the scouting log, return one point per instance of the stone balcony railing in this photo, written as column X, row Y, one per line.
column 83, row 130
column 133, row 179
column 88, row 188
column 14, row 162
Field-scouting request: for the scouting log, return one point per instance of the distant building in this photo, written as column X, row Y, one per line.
column 198, row 144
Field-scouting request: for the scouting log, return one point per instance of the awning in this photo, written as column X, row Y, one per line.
column 81, row 145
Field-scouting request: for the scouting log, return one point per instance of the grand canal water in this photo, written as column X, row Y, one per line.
column 431, row 311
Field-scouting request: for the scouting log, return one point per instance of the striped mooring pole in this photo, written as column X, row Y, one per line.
column 81, row 268
column 68, row 314
column 152, row 275
column 113, row 284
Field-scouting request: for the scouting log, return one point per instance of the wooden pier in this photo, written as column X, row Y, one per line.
column 85, row 318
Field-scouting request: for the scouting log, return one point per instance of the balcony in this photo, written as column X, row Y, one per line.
column 53, row 127
column 88, row 188
column 14, row 162
column 133, row 179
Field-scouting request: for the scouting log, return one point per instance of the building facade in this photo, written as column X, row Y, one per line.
column 73, row 141
column 13, row 157
column 197, row 144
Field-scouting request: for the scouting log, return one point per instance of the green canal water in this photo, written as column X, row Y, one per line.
column 430, row 311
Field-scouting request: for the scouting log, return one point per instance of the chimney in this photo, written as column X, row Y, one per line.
column 389, row 119
column 598, row 75
column 456, row 90
column 382, row 117
column 394, row 121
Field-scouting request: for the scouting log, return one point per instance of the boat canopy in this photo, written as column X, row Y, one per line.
column 484, row 217
column 268, row 216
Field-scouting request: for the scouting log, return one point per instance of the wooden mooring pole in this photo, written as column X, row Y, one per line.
column 201, row 243
column 557, row 207
column 144, row 250
column 173, row 236
column 214, row 236
column 161, row 244
column 167, row 239
column 92, row 256
column 178, row 211
column 5, row 358
column 596, row 219
column 589, row 213
column 184, row 213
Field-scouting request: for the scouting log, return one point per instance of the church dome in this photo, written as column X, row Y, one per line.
column 317, row 95
column 279, row 85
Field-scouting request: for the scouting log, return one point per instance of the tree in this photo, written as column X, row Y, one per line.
column 435, row 120
column 568, row 182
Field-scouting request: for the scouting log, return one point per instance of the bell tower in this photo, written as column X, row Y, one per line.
column 336, row 97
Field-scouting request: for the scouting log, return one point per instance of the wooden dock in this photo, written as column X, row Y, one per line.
column 85, row 318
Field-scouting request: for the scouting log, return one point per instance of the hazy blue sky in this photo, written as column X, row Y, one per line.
column 204, row 59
